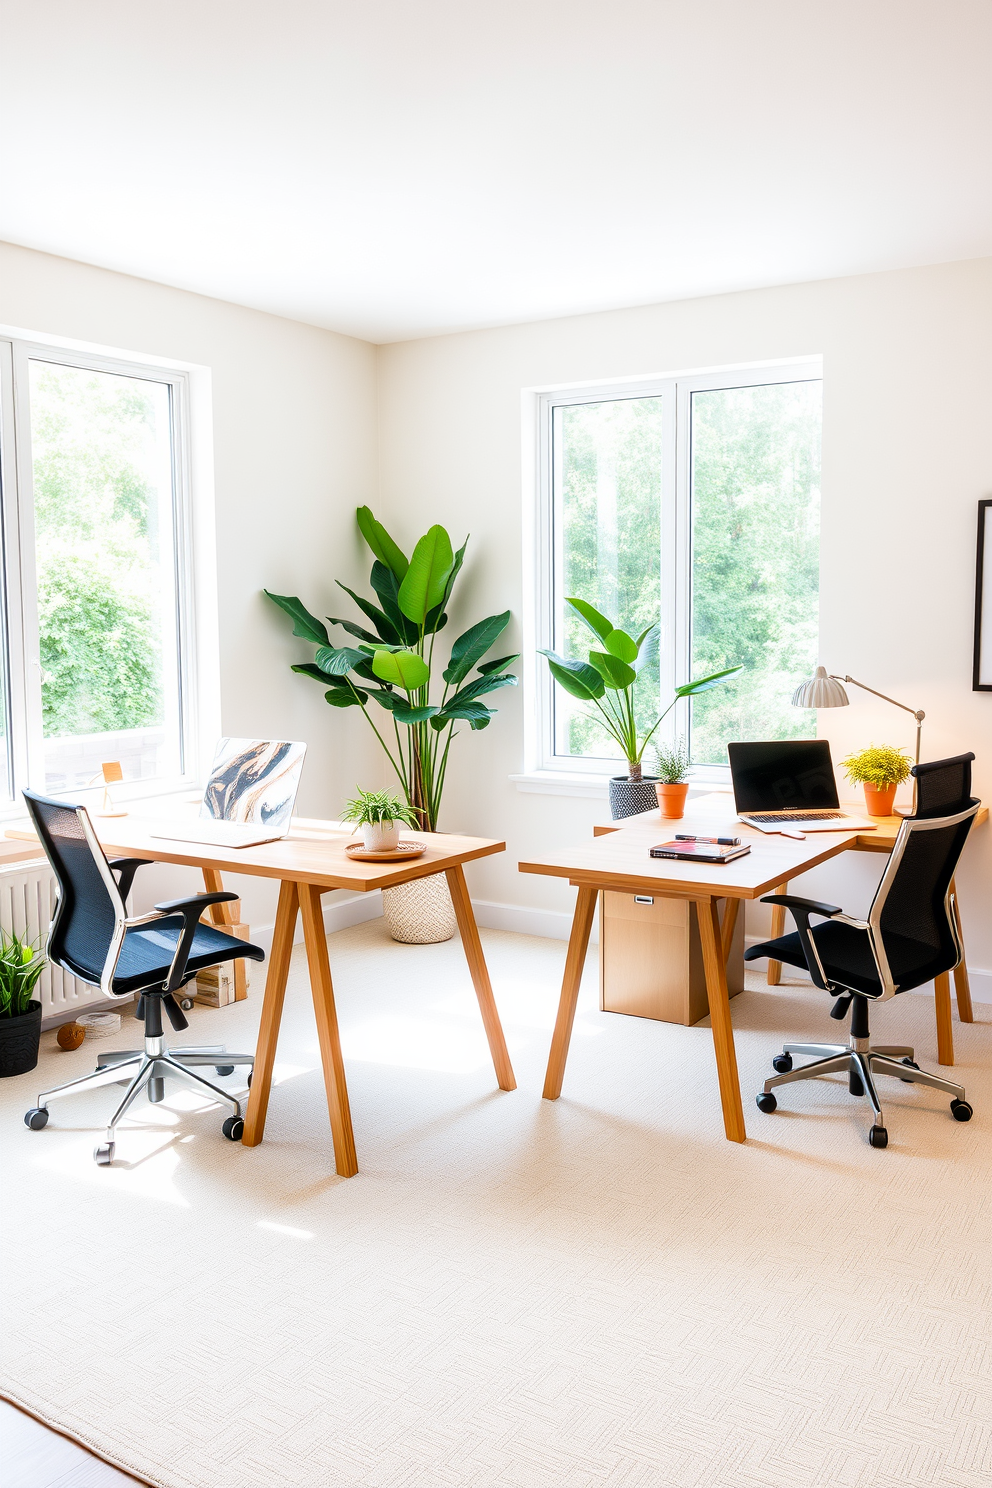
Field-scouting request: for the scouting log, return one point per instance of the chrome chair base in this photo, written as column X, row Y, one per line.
column 147, row 1070
column 861, row 1061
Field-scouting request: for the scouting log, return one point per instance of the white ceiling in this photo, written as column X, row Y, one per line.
column 392, row 168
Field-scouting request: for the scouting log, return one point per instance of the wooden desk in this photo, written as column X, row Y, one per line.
column 715, row 812
column 621, row 862
column 308, row 863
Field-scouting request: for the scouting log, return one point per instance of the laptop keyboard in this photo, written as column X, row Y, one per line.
column 793, row 816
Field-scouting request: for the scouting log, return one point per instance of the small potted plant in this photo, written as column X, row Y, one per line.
column 880, row 769
column 379, row 815
column 21, row 964
column 672, row 787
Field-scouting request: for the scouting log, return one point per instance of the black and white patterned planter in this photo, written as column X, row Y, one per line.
column 628, row 797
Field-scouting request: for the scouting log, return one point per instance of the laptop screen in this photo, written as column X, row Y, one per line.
column 783, row 775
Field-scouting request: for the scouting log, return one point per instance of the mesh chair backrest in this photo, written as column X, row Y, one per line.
column 943, row 787
column 86, row 916
column 914, row 906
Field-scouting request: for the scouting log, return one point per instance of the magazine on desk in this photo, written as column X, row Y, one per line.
column 699, row 852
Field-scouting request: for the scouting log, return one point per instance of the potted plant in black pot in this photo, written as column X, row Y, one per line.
column 21, row 964
column 607, row 680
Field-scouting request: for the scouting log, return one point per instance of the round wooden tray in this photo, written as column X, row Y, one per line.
column 405, row 850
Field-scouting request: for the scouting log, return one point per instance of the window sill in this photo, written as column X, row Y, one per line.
column 593, row 787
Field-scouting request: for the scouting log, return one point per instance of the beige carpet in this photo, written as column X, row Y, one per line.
column 601, row 1291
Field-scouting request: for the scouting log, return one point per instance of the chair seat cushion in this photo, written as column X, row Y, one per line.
column 147, row 952
column 847, row 959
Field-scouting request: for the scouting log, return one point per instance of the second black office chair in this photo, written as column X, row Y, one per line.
column 909, row 937
column 153, row 954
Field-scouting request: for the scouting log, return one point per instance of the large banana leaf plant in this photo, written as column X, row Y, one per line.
column 393, row 664
column 608, row 678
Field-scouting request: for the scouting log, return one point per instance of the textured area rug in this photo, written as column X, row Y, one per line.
column 600, row 1291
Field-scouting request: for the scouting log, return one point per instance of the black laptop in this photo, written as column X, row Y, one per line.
column 789, row 782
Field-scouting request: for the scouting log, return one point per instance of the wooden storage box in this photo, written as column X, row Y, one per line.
column 216, row 986
column 651, row 959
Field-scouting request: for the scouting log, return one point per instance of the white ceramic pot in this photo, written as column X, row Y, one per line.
column 380, row 836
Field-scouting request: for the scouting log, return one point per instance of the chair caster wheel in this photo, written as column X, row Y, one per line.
column 766, row 1102
column 233, row 1128
column 782, row 1064
column 878, row 1136
column 960, row 1110
column 224, row 1069
column 103, row 1155
column 185, row 1003
column 855, row 1085
column 36, row 1118
column 910, row 1064
column 250, row 1073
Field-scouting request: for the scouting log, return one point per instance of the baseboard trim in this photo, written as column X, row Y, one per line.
column 550, row 924
column 338, row 915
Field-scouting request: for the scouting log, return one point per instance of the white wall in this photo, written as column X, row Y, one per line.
column 293, row 455
column 907, row 453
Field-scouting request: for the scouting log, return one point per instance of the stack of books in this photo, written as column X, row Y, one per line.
column 216, row 986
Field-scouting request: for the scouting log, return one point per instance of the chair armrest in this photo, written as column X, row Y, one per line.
column 127, row 868
column 812, row 906
column 801, row 909
column 180, row 906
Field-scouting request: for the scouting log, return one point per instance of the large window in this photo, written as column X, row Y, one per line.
column 96, row 601
column 693, row 502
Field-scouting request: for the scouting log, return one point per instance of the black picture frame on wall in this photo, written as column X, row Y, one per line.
column 982, row 679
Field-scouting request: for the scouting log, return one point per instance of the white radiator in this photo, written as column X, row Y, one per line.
column 27, row 903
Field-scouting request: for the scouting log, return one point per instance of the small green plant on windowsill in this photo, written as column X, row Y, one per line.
column 379, row 814
column 671, row 765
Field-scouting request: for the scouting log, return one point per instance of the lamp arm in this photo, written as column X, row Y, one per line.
column 917, row 713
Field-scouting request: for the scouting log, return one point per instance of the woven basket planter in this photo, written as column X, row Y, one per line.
column 420, row 912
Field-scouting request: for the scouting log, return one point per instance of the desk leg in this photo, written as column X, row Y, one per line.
column 472, row 946
column 778, row 928
column 345, row 1159
column 962, row 986
column 945, row 1035
column 723, row 1028
column 731, row 909
column 223, row 915
column 268, row 1030
column 578, row 944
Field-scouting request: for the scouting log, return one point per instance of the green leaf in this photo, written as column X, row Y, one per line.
column 310, row 669
column 479, row 686
column 386, row 629
column 436, row 620
column 381, row 543
column 472, row 644
column 477, row 714
column 618, row 643
column 616, row 673
column 305, row 625
column 402, row 668
column 337, row 661
column 356, row 630
column 344, row 697
column 383, row 581
column 689, row 689
column 597, row 623
column 425, row 583
column 647, row 647
column 577, row 677
column 404, row 714
column 498, row 664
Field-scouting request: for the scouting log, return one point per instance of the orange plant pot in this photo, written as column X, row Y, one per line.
column 671, row 799
column 879, row 802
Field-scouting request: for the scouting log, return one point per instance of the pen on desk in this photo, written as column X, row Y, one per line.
column 716, row 841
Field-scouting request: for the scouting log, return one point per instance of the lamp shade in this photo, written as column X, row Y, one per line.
column 821, row 691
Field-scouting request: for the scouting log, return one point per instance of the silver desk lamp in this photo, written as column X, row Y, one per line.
column 826, row 690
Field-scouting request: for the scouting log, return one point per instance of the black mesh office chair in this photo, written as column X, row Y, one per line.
column 154, row 955
column 910, row 936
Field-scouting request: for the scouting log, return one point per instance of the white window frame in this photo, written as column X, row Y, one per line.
column 20, row 619
column 543, row 768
